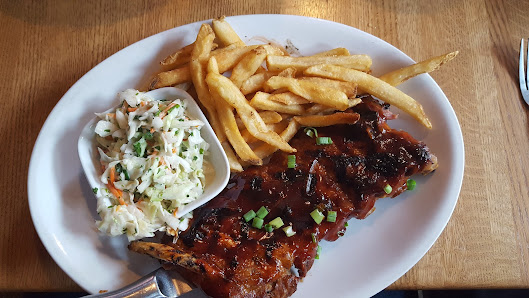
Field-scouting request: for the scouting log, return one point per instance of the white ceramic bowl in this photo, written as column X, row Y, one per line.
column 90, row 157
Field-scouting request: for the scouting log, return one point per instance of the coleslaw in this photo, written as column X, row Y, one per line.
column 152, row 157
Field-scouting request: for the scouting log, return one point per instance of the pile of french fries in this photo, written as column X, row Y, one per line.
column 257, row 96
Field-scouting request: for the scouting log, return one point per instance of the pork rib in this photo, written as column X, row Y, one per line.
column 347, row 176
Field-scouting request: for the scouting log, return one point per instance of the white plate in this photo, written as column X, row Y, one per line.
column 373, row 253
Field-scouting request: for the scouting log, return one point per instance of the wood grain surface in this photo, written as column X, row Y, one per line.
column 48, row 45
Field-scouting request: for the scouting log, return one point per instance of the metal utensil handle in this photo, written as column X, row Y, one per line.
column 158, row 284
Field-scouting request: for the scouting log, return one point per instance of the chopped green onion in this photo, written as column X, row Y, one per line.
column 262, row 212
column 341, row 233
column 346, row 224
column 311, row 132
column 388, row 189
column 323, row 141
column 410, row 184
column 288, row 231
column 331, row 216
column 318, row 252
column 195, row 158
column 313, row 237
column 94, row 190
column 249, row 215
column 257, row 222
column 107, row 130
column 201, row 150
column 157, row 114
column 148, row 135
column 268, row 228
column 317, row 216
column 276, row 223
column 139, row 147
column 291, row 161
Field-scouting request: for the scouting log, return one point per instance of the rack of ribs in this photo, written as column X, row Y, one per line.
column 227, row 257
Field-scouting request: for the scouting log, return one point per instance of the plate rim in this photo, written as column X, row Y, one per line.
column 48, row 244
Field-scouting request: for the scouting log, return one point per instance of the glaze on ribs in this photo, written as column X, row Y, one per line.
column 227, row 257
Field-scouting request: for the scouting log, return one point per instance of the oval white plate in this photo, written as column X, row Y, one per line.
column 373, row 253
column 216, row 157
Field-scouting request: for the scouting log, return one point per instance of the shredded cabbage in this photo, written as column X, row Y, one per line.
column 152, row 156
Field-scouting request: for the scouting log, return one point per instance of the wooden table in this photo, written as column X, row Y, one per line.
column 48, row 45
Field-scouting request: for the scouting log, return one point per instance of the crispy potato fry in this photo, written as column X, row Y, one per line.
column 288, row 73
column 399, row 76
column 227, row 59
column 358, row 62
column 327, row 120
column 179, row 57
column 199, row 56
column 227, row 118
column 374, row 86
column 247, row 66
column 261, row 100
column 321, row 109
column 288, row 98
column 251, row 119
column 256, row 82
column 349, row 88
column 235, row 165
column 277, row 127
column 269, row 117
column 171, row 77
column 225, row 32
column 265, row 150
column 311, row 91
column 333, row 52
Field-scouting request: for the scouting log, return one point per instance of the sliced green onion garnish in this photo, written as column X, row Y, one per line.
column 318, row 252
column 388, row 189
column 262, row 212
column 323, row 141
column 257, row 222
column 311, row 132
column 276, row 223
column 346, row 224
column 249, row 215
column 291, row 161
column 313, row 237
column 331, row 216
column 201, row 150
column 288, row 231
column 341, row 233
column 410, row 184
column 94, row 190
column 268, row 228
column 317, row 216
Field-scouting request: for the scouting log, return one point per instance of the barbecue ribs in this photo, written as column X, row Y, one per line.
column 227, row 257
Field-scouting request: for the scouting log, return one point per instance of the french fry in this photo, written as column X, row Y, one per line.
column 288, row 73
column 358, row 62
column 288, row 98
column 247, row 66
column 171, row 77
column 399, row 76
column 269, row 117
column 327, row 120
column 277, row 127
column 310, row 91
column 348, row 88
column 374, row 86
column 235, row 165
column 225, row 32
column 179, row 57
column 256, row 82
column 321, row 109
column 251, row 119
column 261, row 100
column 227, row 59
column 333, row 52
column 266, row 150
column 199, row 56
column 227, row 118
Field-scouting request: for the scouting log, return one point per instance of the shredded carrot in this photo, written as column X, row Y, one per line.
column 175, row 210
column 132, row 109
column 152, row 130
column 174, row 150
column 162, row 161
column 142, row 103
column 116, row 192
column 111, row 115
column 164, row 112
